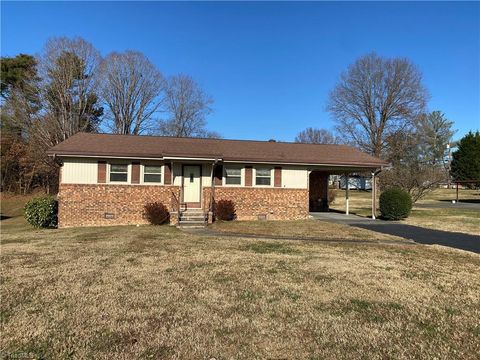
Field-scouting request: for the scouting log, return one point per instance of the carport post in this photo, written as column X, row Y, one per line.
column 346, row 194
column 374, row 196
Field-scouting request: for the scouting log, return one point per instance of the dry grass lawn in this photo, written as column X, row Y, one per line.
column 158, row 293
column 305, row 229
column 448, row 219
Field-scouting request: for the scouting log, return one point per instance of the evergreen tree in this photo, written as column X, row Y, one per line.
column 435, row 132
column 466, row 160
column 18, row 73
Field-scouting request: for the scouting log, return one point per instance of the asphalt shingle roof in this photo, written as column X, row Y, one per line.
column 108, row 145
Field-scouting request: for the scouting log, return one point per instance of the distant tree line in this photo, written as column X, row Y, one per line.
column 70, row 88
column 378, row 105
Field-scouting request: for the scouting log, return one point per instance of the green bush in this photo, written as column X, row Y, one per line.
column 395, row 204
column 41, row 212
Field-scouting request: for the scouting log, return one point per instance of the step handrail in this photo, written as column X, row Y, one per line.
column 175, row 203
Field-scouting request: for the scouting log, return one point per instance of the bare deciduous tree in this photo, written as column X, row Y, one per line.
column 316, row 136
column 67, row 68
column 376, row 97
column 413, row 177
column 50, row 100
column 187, row 106
column 410, row 171
column 131, row 87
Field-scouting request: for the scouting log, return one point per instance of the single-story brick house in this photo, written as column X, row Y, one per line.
column 107, row 179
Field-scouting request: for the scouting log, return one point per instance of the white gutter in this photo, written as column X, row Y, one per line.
column 364, row 166
column 189, row 158
column 106, row 157
column 304, row 164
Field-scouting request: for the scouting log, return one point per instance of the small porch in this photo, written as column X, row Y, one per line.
column 192, row 205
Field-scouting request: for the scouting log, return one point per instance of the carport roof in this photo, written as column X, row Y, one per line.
column 248, row 151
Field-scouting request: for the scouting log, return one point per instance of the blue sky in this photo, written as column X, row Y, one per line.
column 270, row 65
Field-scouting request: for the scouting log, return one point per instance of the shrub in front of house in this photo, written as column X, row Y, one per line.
column 156, row 213
column 42, row 212
column 395, row 204
column 225, row 210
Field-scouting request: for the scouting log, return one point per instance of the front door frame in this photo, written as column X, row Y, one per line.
column 190, row 204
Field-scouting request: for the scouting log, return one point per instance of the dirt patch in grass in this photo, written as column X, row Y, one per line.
column 156, row 292
column 304, row 229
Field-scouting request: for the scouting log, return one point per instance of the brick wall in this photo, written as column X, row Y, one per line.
column 86, row 205
column 275, row 203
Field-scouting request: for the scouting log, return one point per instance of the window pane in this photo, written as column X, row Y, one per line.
column 119, row 168
column 263, row 172
column 153, row 169
column 233, row 172
column 118, row 177
column 263, row 180
column 156, row 178
column 233, row 180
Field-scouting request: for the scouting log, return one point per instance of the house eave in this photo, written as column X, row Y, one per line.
column 311, row 164
column 338, row 165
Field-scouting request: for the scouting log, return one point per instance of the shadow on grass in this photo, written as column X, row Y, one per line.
column 351, row 212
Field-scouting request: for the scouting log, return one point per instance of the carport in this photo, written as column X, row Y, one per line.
column 318, row 185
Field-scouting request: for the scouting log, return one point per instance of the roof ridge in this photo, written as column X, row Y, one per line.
column 213, row 139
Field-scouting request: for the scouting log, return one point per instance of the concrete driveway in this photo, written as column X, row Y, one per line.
column 418, row 234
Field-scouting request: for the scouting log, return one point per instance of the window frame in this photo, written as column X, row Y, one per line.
column 109, row 168
column 242, row 175
column 142, row 174
column 254, row 180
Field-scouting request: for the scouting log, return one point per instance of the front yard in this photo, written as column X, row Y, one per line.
column 303, row 229
column 156, row 292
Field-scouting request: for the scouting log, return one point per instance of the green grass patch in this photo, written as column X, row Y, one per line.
column 249, row 295
column 428, row 328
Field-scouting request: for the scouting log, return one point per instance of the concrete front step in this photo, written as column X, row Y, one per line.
column 182, row 221
column 191, row 226
column 192, row 218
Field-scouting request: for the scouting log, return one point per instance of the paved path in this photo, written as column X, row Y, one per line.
column 418, row 234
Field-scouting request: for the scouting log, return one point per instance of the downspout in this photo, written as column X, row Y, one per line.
column 212, row 185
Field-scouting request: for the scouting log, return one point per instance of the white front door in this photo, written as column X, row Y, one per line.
column 191, row 184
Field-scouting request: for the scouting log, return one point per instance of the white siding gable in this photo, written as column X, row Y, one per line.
column 79, row 171
column 294, row 177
